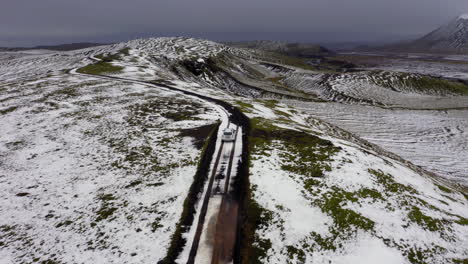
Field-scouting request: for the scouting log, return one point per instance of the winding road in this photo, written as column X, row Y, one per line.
column 222, row 242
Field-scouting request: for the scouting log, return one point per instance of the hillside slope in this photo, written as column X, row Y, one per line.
column 96, row 169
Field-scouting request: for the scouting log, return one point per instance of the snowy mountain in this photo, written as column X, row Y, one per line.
column 452, row 37
column 117, row 154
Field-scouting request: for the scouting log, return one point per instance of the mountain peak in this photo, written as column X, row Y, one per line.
column 452, row 37
column 463, row 16
column 449, row 38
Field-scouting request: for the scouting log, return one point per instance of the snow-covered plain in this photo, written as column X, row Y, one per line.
column 92, row 170
column 434, row 140
column 448, row 70
column 386, row 89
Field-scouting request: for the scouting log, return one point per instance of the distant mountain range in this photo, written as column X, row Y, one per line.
column 453, row 37
column 450, row 38
column 62, row 47
column 304, row 50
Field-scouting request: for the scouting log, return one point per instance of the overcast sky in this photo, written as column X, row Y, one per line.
column 32, row 22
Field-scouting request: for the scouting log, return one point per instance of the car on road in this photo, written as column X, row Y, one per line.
column 228, row 134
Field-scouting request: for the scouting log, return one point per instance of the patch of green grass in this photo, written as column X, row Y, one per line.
column 462, row 221
column 106, row 209
column 6, row 228
column 49, row 261
column 7, row 231
column 444, row 189
column 370, row 193
column 140, row 119
column 15, row 145
column 157, row 184
column 125, row 51
column 100, row 68
column 179, row 115
column 138, row 153
column 304, row 154
column 308, row 156
column 106, row 197
column 105, row 65
column 460, row 261
column 419, row 83
column 64, row 223
column 345, row 220
column 435, row 84
column 179, row 50
column 284, row 116
column 321, row 242
column 245, row 107
column 8, row 110
column 289, row 61
column 407, row 199
column 133, row 184
column 269, row 103
column 104, row 213
column 109, row 57
column 427, row 222
column 176, row 110
column 67, row 91
column 296, row 253
column 423, row 256
column 259, row 217
column 390, row 185
column 311, row 184
column 156, row 224
column 260, row 124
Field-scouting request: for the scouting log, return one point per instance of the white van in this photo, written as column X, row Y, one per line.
column 228, row 134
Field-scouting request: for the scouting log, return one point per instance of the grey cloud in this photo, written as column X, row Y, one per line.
column 32, row 22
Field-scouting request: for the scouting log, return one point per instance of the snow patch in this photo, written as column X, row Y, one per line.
column 463, row 16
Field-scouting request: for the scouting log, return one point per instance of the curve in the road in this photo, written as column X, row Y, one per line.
column 233, row 116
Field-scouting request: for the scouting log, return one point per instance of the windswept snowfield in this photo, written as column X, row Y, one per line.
column 451, row 66
column 98, row 153
column 434, row 140
column 92, row 170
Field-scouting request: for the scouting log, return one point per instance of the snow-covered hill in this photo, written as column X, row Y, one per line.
column 95, row 169
column 318, row 196
column 451, row 37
